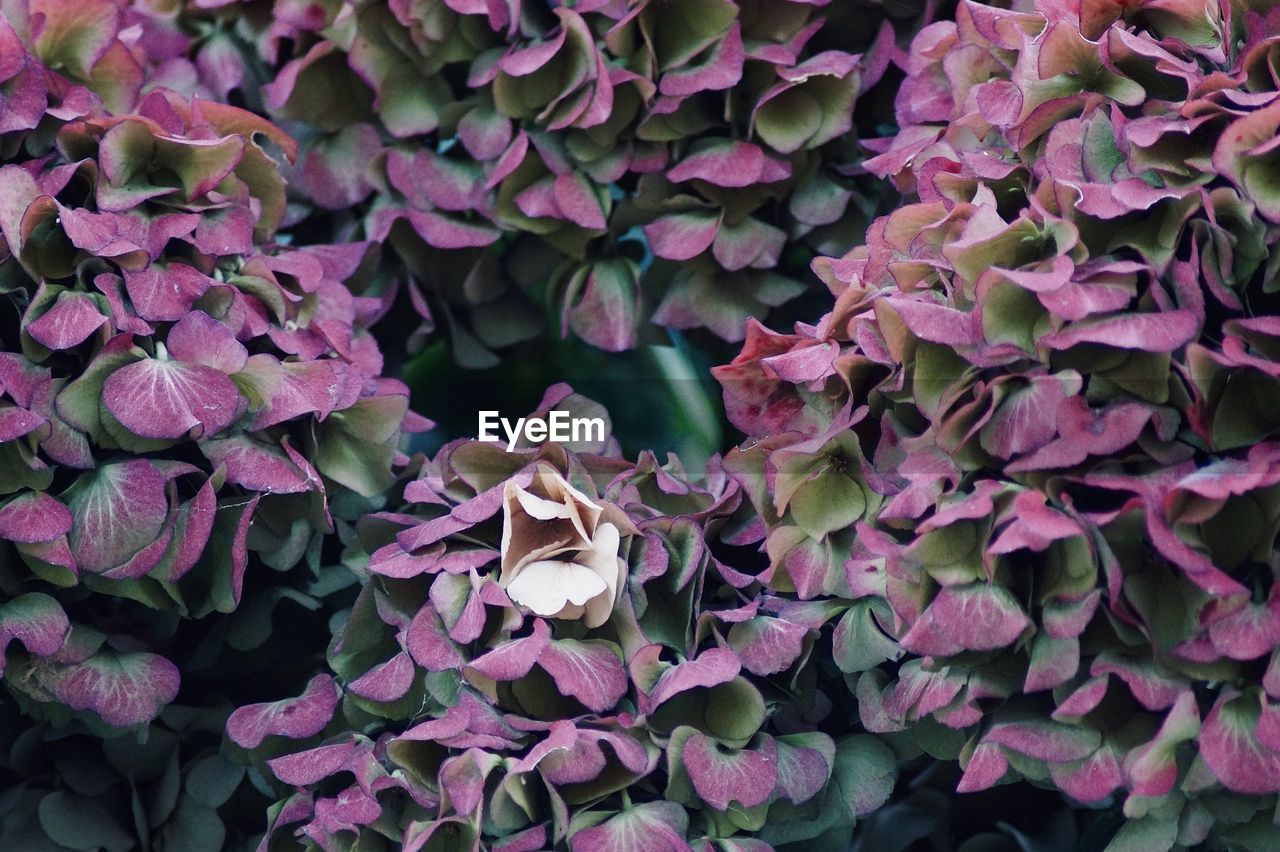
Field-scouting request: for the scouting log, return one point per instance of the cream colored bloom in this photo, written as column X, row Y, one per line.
column 559, row 559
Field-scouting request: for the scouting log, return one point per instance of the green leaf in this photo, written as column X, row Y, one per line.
column 1247, row 412
column 74, row 36
column 859, row 643
column 789, row 120
column 950, row 545
column 80, row 402
column 20, row 469
column 20, row 829
column 1140, row 835
column 212, row 779
column 687, row 30
column 146, row 760
column 830, row 501
column 355, row 447
column 939, row 374
column 1013, row 314
column 194, row 827
column 866, row 772
column 735, row 710
column 78, row 822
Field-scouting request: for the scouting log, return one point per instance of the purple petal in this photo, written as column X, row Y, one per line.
column 728, row 163
column 590, row 671
column 70, row 322
column 722, row 776
column 34, row 516
column 1230, row 746
column 512, row 660
column 680, row 236
column 257, row 466
column 385, row 681
column 171, row 399
column 198, row 338
column 767, row 645
column 165, row 292
column 314, row 765
column 37, row 621
column 711, row 668
column 430, row 645
column 295, row 718
column 978, row 617
column 1162, row 332
column 1043, row 739
column 118, row 510
column 721, row 70
column 805, row 762
column 986, row 766
column 650, row 827
column 124, row 688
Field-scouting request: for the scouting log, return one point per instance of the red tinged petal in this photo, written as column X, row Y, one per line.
column 258, row 466
column 74, row 35
column 1159, row 332
column 385, row 681
column 430, row 645
column 681, row 236
column 1091, row 779
column 721, row 70
column 986, row 766
column 977, row 617
column 512, row 660
column 70, row 322
column 165, row 292
column 295, row 718
column 651, row 827
column 727, row 163
column 576, row 199
column 723, row 775
column 316, row 764
column 1230, row 745
column 34, row 516
column 171, row 399
column 117, row 510
column 590, row 671
column 446, row 232
column 37, row 621
column 711, row 668
column 124, row 688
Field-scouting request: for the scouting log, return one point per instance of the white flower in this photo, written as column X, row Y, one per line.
column 559, row 559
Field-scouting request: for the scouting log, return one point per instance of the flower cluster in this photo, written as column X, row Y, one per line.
column 548, row 653
column 1007, row 514
column 1034, row 440
column 623, row 161
column 185, row 400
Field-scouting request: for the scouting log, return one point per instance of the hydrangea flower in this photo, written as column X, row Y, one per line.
column 186, row 401
column 1044, row 380
column 682, row 712
column 577, row 154
column 559, row 558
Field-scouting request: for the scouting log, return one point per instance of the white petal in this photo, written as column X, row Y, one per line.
column 584, row 513
column 553, row 481
column 546, row 587
column 603, row 558
column 605, row 562
column 543, row 510
column 599, row 608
